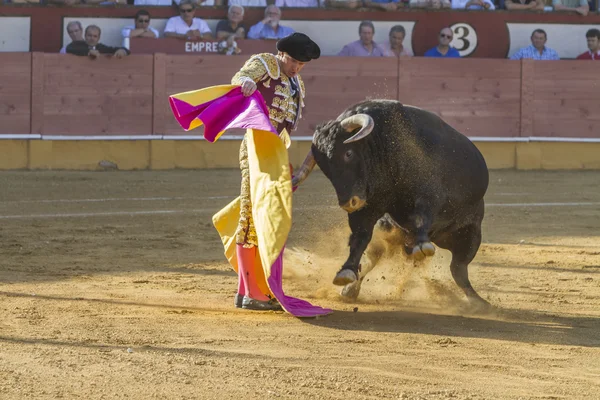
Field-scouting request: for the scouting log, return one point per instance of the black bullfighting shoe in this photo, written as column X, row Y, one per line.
column 259, row 305
column 239, row 299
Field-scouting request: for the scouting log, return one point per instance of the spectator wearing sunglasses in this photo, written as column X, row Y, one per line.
column 185, row 26
column 443, row 49
column 141, row 29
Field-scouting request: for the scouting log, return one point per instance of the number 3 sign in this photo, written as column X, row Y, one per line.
column 465, row 38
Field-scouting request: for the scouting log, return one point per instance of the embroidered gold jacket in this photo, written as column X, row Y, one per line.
column 285, row 107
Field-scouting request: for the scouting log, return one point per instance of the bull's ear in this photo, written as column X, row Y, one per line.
column 363, row 121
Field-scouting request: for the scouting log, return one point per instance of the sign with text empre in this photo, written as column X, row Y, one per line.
column 201, row 47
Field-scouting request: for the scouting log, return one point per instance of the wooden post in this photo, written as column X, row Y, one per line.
column 527, row 94
column 159, row 103
column 37, row 93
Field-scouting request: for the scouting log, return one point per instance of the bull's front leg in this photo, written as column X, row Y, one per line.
column 419, row 224
column 361, row 224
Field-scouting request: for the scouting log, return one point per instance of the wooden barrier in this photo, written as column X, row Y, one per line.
column 54, row 94
column 15, row 89
column 519, row 113
column 101, row 97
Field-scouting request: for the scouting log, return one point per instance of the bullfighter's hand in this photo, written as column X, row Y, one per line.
column 248, row 87
column 94, row 53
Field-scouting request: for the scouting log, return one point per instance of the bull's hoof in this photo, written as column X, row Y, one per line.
column 351, row 290
column 422, row 250
column 344, row 277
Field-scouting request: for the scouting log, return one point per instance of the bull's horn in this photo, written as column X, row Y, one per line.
column 305, row 169
column 362, row 121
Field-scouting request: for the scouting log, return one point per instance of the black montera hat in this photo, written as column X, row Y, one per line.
column 299, row 46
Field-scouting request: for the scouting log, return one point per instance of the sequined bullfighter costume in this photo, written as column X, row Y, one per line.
column 266, row 97
column 285, row 99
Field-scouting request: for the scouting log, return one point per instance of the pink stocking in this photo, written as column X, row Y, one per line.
column 241, row 287
column 247, row 267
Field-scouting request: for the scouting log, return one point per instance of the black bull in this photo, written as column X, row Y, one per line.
column 408, row 172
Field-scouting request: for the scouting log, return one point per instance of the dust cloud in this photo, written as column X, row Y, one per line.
column 396, row 279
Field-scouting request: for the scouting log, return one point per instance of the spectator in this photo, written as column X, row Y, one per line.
column 269, row 27
column 365, row 46
column 593, row 43
column 75, row 31
column 248, row 3
column 537, row 50
column 580, row 6
column 297, row 3
column 519, row 5
column 185, row 26
column 473, row 5
column 165, row 3
column 205, row 3
column 443, row 49
column 96, row 2
column 232, row 26
column 351, row 4
column 92, row 47
column 395, row 48
column 141, row 29
column 433, row 4
column 385, row 5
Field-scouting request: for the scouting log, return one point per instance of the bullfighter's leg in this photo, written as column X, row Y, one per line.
column 389, row 235
column 361, row 224
column 250, row 292
column 464, row 244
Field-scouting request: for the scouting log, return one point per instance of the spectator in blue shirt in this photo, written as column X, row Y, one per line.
column 269, row 28
column 443, row 49
column 537, row 50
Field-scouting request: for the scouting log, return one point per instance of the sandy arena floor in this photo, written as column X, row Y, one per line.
column 113, row 285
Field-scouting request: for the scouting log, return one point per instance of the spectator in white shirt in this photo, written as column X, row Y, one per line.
column 297, row 3
column 205, row 3
column 185, row 26
column 473, row 5
column 141, row 29
column 248, row 3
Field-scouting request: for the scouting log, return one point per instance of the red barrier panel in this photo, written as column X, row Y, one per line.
column 52, row 94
